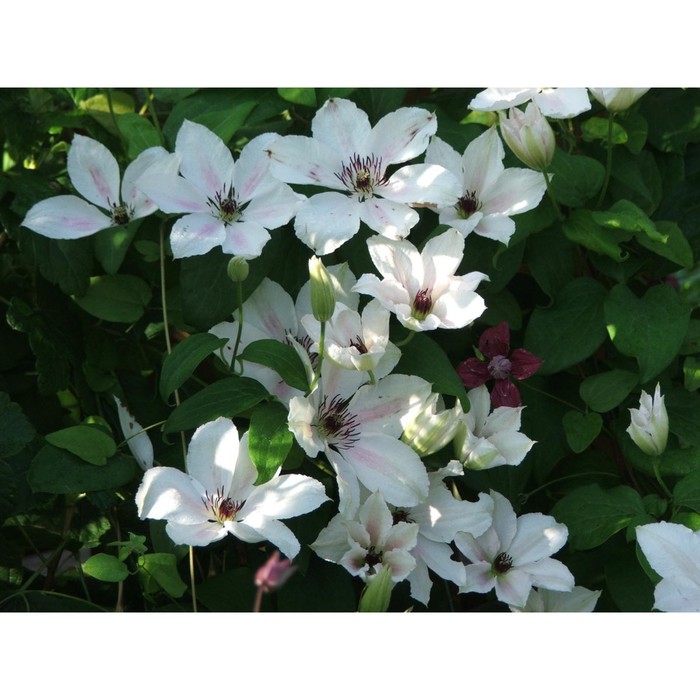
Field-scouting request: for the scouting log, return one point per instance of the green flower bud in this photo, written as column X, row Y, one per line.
column 322, row 292
column 238, row 269
column 432, row 428
column 529, row 135
column 377, row 593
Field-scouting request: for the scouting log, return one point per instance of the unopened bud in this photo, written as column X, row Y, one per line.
column 377, row 593
column 431, row 429
column 529, row 135
column 273, row 573
column 237, row 269
column 649, row 423
column 322, row 292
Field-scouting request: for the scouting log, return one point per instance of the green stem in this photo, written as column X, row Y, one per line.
column 239, row 292
column 656, row 464
column 406, row 340
column 166, row 329
column 154, row 116
column 114, row 118
column 321, row 349
column 608, row 164
column 526, row 496
column 548, row 184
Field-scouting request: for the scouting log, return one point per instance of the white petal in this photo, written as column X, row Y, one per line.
column 173, row 194
column 196, row 234
column 438, row 557
column 137, row 439
column 169, row 494
column 206, row 161
column 245, row 238
column 400, row 562
column 252, row 169
column 478, row 578
column 420, row 582
column 283, row 497
column 273, row 206
column 550, row 574
column 441, row 153
column 562, row 103
column 65, row 217
column 325, row 221
column 517, row 190
column 496, row 227
column 273, row 531
column 672, row 550
column 391, row 219
column 332, row 542
column 196, row 535
column 94, row 171
column 402, row 134
column 677, row 595
column 424, row 184
column 493, row 99
column 442, row 256
column 302, row 160
column 483, row 162
column 152, row 161
column 538, row 537
column 513, row 587
column 376, row 518
column 505, row 522
column 342, row 126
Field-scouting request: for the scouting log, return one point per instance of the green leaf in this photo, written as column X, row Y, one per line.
column 106, row 107
column 627, row 216
column 298, row 96
column 184, row 359
column 105, row 567
column 651, row 329
column 675, row 246
column 581, row 228
column 226, row 122
column 269, row 439
column 139, row 132
column 572, row 329
column 112, row 244
column 279, row 357
column 54, row 470
column 607, row 390
column 231, row 591
column 581, row 429
column 423, row 357
column 227, row 397
column 596, row 129
column 691, row 373
column 637, row 129
column 576, row 179
column 89, row 443
column 683, row 415
column 120, row 298
column 15, row 430
column 594, row 515
column 686, row 492
column 162, row 567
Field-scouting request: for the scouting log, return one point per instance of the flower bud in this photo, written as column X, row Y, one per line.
column 322, row 292
column 377, row 593
column 237, row 269
column 273, row 573
column 430, row 430
column 618, row 99
column 529, row 135
column 649, row 425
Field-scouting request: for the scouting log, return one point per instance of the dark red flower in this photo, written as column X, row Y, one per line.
column 500, row 364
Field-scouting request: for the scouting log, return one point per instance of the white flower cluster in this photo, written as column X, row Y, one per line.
column 373, row 426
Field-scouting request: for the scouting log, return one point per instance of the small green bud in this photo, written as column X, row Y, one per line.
column 238, row 269
column 322, row 292
column 377, row 593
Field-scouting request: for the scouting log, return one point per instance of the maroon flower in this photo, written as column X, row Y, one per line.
column 494, row 345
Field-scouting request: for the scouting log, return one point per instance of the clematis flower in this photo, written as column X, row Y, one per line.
column 618, row 99
column 530, row 136
column 673, row 551
column 500, row 364
column 649, row 425
column 370, row 542
column 559, row 103
column 514, row 555
column 490, row 193
column 349, row 156
column 421, row 288
column 579, row 599
column 94, row 172
column 218, row 495
column 358, row 430
column 485, row 440
column 228, row 204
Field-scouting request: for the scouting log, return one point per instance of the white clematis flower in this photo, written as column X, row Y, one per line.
column 579, row 599
column 421, row 288
column 514, row 555
column 673, row 551
column 484, row 440
column 358, row 430
column 370, row 542
column 559, row 103
column 218, row 495
column 490, row 193
column 649, row 423
column 228, row 204
column 94, row 172
column 618, row 99
column 348, row 155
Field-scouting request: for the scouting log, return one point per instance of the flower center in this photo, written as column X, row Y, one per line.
column 121, row 214
column 401, row 516
column 359, row 344
column 467, row 204
column 422, row 304
column 373, row 558
column 362, row 175
column 500, row 367
column 336, row 423
column 225, row 205
column 502, row 563
column 222, row 507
